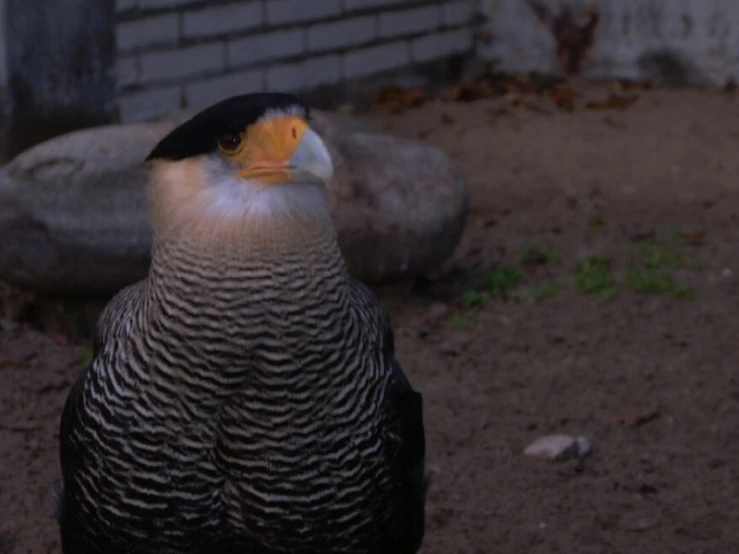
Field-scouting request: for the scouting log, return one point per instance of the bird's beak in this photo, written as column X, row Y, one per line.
column 285, row 150
column 311, row 159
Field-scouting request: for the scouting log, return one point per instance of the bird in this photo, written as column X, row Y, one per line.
column 245, row 396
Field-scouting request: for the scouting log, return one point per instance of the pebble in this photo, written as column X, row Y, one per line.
column 640, row 520
column 558, row 447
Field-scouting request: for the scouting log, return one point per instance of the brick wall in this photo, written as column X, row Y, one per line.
column 175, row 54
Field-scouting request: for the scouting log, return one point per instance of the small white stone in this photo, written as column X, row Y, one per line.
column 583, row 447
column 558, row 447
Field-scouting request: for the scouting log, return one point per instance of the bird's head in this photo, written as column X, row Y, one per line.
column 250, row 157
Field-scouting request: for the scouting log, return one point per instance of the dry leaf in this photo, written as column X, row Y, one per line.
column 638, row 419
column 608, row 120
column 694, row 238
column 621, row 102
column 60, row 338
column 398, row 99
column 651, row 83
column 499, row 111
column 564, row 97
column 466, row 92
column 614, row 101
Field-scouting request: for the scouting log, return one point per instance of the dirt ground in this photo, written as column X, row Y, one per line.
column 594, row 294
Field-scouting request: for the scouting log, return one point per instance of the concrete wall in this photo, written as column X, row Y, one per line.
column 175, row 54
column 683, row 41
column 3, row 52
column 58, row 59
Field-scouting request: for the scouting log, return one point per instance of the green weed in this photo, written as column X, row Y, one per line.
column 463, row 320
column 85, row 359
column 503, row 279
column 663, row 255
column 654, row 281
column 473, row 298
column 596, row 224
column 592, row 275
column 540, row 253
column 545, row 291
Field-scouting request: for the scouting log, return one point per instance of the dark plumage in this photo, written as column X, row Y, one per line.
column 245, row 397
column 198, row 135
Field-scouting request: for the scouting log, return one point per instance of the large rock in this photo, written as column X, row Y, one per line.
column 73, row 217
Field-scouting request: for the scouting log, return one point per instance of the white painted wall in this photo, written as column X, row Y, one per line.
column 701, row 37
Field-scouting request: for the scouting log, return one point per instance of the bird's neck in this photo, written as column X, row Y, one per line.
column 226, row 232
column 245, row 254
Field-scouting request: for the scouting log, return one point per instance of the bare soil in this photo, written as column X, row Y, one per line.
column 644, row 366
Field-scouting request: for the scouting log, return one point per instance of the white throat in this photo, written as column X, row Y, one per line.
column 185, row 193
column 234, row 197
column 227, row 195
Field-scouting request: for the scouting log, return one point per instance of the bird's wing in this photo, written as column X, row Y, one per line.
column 117, row 314
column 407, row 406
column 404, row 399
column 111, row 324
column 407, row 401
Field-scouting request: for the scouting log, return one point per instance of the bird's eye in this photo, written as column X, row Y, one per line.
column 229, row 142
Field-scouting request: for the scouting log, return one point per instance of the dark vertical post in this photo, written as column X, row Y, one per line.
column 61, row 68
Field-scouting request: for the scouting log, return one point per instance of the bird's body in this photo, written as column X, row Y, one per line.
column 245, row 397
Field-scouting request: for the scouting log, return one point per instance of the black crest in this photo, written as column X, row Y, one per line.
column 199, row 135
